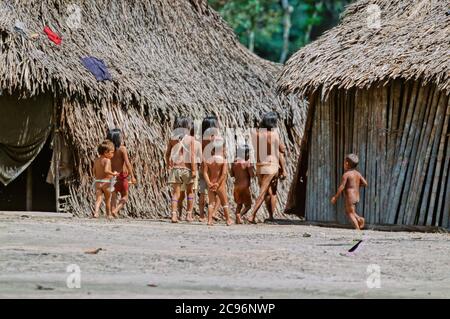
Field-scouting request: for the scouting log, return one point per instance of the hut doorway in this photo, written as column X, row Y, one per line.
column 25, row 154
column 30, row 191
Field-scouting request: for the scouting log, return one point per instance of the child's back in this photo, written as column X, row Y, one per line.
column 214, row 167
column 100, row 164
column 241, row 172
column 354, row 182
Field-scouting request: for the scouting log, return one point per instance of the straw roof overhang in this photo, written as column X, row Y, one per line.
column 162, row 54
column 411, row 42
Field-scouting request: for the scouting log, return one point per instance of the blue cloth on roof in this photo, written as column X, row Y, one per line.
column 97, row 67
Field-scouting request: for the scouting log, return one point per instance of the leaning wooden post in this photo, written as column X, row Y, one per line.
column 29, row 191
column 56, row 157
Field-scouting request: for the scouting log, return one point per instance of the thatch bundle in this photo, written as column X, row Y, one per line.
column 166, row 57
column 410, row 42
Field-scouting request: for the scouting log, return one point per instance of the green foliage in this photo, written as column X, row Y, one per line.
column 259, row 23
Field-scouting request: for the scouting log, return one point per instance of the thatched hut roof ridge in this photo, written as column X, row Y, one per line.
column 411, row 42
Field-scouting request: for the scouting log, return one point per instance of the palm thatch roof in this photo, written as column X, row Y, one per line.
column 411, row 42
column 166, row 58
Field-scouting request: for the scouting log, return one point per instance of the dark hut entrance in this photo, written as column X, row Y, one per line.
column 401, row 134
column 25, row 155
column 40, row 195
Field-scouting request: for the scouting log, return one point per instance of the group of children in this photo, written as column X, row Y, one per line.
column 202, row 166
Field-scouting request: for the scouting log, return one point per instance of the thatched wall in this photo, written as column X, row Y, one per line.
column 401, row 133
column 166, row 57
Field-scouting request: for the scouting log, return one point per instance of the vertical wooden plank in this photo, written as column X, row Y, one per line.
column 331, row 153
column 382, row 164
column 371, row 159
column 399, row 141
column 361, row 149
column 326, row 213
column 318, row 160
column 419, row 126
column 341, row 207
column 434, row 168
column 446, row 175
column 423, row 164
column 405, row 152
column 392, row 134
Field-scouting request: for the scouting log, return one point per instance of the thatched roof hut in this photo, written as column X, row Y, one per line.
column 378, row 85
column 166, row 58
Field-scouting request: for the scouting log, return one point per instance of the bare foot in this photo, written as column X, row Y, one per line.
column 110, row 217
column 95, row 215
column 189, row 218
column 174, row 218
column 210, row 224
column 283, row 176
column 115, row 214
column 238, row 219
column 250, row 220
column 229, row 222
column 361, row 222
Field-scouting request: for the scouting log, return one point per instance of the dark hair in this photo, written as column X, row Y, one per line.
column 269, row 120
column 105, row 146
column 209, row 121
column 114, row 135
column 184, row 123
column 352, row 159
column 243, row 150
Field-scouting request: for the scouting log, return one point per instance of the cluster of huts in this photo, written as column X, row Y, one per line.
column 381, row 92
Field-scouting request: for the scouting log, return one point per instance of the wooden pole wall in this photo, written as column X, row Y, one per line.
column 401, row 133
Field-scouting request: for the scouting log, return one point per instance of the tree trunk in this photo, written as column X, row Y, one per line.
column 251, row 40
column 286, row 29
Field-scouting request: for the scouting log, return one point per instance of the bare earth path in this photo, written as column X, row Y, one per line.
column 156, row 259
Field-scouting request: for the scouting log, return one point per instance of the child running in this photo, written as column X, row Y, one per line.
column 104, row 177
column 180, row 158
column 352, row 180
column 215, row 171
column 120, row 162
column 242, row 171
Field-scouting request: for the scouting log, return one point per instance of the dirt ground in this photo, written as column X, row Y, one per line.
column 156, row 259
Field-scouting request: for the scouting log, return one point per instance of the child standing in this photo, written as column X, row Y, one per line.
column 215, row 171
column 210, row 129
column 352, row 180
column 104, row 177
column 198, row 161
column 180, row 158
column 242, row 171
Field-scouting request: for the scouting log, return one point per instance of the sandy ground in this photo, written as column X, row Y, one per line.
column 156, row 259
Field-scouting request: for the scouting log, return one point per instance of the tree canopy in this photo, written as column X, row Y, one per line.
column 274, row 29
